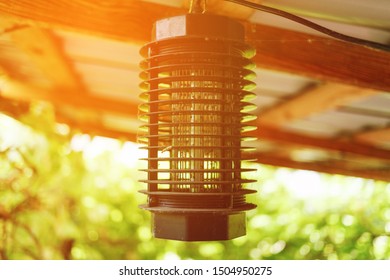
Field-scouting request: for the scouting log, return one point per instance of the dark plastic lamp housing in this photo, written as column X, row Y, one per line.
column 197, row 79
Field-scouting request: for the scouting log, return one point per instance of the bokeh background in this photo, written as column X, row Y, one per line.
column 67, row 195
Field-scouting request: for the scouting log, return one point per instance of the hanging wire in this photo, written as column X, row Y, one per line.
column 198, row 6
column 312, row 25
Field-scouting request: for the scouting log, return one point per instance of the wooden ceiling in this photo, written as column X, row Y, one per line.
column 324, row 104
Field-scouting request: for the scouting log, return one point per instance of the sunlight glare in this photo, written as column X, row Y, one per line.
column 171, row 256
column 79, row 142
column 17, row 134
column 130, row 154
column 303, row 184
column 127, row 154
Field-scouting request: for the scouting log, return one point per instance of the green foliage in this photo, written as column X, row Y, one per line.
column 64, row 195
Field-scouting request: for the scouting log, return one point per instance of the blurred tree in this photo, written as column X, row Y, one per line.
column 66, row 195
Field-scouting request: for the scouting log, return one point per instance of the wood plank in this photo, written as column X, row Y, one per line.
column 332, row 168
column 312, row 101
column 277, row 48
column 270, row 133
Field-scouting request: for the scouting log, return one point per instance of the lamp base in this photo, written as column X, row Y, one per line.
column 198, row 226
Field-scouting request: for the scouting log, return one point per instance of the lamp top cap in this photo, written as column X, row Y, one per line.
column 198, row 25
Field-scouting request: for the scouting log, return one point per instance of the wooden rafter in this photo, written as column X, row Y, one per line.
column 7, row 24
column 44, row 51
column 344, row 65
column 96, row 128
column 270, row 158
column 227, row 8
column 270, row 133
column 125, row 20
column 319, row 57
column 26, row 92
column 312, row 101
column 374, row 136
column 332, row 168
column 13, row 108
column 277, row 48
column 22, row 91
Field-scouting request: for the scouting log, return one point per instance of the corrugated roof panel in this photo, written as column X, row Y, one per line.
column 100, row 50
column 378, row 103
column 111, row 82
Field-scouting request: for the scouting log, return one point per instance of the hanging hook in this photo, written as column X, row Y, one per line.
column 198, row 6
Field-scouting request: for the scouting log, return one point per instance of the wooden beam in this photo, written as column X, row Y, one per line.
column 46, row 54
column 27, row 92
column 374, row 137
column 278, row 49
column 270, row 133
column 125, row 20
column 96, row 128
column 312, row 101
column 321, row 58
column 8, row 24
column 332, row 168
column 17, row 108
column 13, row 108
column 263, row 158
column 222, row 7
